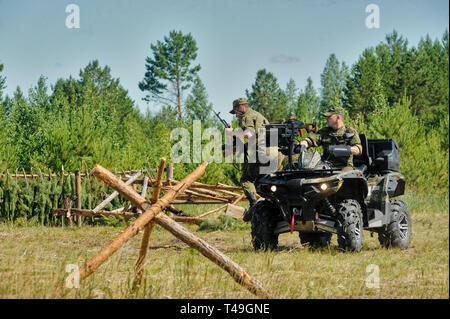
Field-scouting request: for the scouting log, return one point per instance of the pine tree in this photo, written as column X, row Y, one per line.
column 394, row 62
column 308, row 105
column 333, row 79
column 2, row 82
column 197, row 106
column 291, row 97
column 364, row 84
column 267, row 98
column 169, row 72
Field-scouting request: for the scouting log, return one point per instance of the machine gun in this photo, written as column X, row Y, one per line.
column 287, row 133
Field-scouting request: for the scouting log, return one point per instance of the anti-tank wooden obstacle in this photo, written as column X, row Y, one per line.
column 197, row 193
column 151, row 213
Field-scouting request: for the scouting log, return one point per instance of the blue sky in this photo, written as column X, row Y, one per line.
column 292, row 39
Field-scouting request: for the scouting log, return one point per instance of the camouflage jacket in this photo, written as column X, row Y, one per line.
column 328, row 136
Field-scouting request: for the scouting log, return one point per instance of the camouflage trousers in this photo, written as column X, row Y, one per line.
column 251, row 174
column 249, row 177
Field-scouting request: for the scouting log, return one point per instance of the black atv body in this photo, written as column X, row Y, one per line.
column 323, row 200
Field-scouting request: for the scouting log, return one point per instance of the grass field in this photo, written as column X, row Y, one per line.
column 33, row 262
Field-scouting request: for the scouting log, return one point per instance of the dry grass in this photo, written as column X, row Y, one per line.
column 33, row 262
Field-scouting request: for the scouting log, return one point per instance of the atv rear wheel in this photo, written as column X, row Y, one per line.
column 263, row 226
column 398, row 231
column 350, row 225
column 315, row 240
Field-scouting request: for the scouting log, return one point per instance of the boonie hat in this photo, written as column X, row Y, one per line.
column 334, row 110
column 237, row 102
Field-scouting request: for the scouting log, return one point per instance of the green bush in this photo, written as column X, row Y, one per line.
column 423, row 154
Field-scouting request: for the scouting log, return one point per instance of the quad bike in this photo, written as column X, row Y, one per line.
column 317, row 199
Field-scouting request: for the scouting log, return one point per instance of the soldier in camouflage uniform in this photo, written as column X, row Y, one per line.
column 253, row 120
column 333, row 134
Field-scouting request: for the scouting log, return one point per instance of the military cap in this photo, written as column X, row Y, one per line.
column 237, row 102
column 334, row 110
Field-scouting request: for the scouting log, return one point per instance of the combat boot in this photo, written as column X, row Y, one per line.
column 248, row 214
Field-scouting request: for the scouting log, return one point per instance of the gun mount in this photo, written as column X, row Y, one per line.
column 287, row 133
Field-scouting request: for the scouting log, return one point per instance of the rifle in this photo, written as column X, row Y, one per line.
column 235, row 140
column 225, row 123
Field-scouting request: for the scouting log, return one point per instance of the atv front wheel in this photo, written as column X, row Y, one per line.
column 350, row 225
column 398, row 232
column 315, row 240
column 263, row 226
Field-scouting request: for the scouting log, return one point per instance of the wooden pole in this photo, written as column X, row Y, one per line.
column 150, row 211
column 115, row 193
column 237, row 200
column 176, row 211
column 188, row 220
column 212, row 253
column 212, row 211
column 237, row 272
column 148, row 229
column 169, row 173
column 90, row 213
column 144, row 191
column 78, row 191
column 67, row 207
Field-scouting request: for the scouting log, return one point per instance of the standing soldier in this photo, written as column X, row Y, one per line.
column 250, row 121
column 333, row 134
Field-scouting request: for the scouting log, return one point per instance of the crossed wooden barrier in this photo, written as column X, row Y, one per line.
column 151, row 215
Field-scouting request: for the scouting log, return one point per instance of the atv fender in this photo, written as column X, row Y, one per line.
column 354, row 185
column 379, row 208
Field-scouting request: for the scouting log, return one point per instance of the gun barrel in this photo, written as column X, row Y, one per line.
column 225, row 123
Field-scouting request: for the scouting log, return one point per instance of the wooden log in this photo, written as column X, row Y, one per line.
column 212, row 211
column 207, row 192
column 190, row 202
column 115, row 193
column 188, row 220
column 176, row 211
column 150, row 211
column 78, row 191
column 144, row 191
column 169, row 172
column 90, row 213
column 237, row 200
column 228, row 192
column 237, row 272
column 206, row 196
column 67, row 207
column 122, row 209
column 148, row 229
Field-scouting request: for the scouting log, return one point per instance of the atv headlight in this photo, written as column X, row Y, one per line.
column 273, row 188
column 323, row 186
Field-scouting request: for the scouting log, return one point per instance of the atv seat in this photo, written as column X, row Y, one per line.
column 363, row 161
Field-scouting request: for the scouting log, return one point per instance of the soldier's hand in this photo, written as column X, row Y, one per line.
column 229, row 131
column 299, row 148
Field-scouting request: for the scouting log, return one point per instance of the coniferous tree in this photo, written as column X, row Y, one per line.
column 364, row 84
column 267, row 98
column 291, row 97
column 308, row 104
column 333, row 79
column 169, row 71
column 198, row 107
column 2, row 82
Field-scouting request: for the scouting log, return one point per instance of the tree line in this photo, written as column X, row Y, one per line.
column 91, row 118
